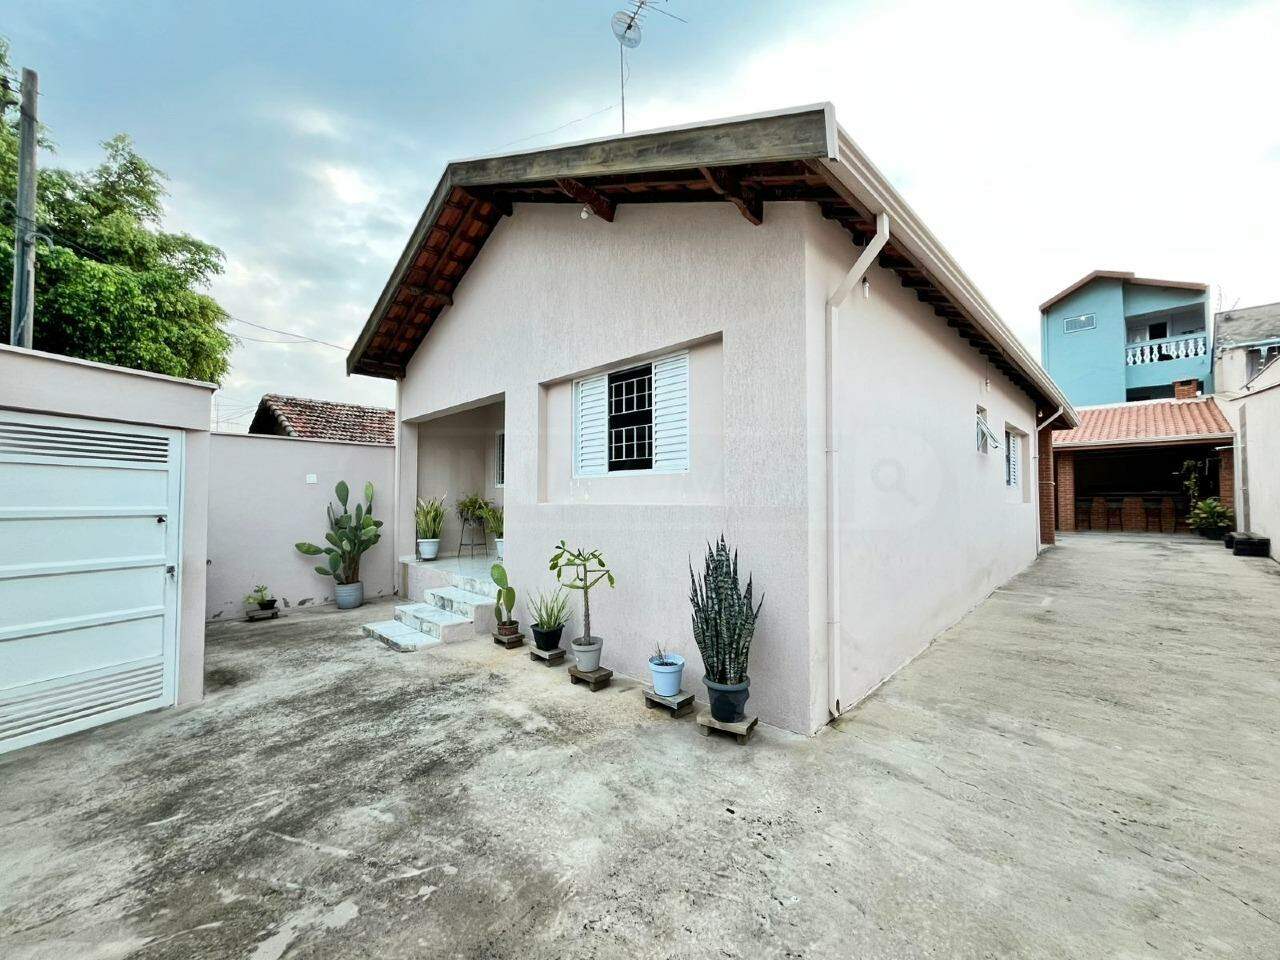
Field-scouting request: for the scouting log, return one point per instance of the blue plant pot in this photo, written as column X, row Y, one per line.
column 728, row 700
column 349, row 595
column 666, row 679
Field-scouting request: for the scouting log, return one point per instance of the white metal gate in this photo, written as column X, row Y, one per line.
column 90, row 542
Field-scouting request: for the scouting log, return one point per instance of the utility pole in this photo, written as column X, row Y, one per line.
column 24, row 228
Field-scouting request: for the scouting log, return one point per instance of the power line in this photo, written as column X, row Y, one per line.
column 544, row 133
column 288, row 333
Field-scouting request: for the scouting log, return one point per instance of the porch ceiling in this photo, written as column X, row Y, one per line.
column 746, row 162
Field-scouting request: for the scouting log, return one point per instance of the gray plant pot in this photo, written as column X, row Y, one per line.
column 349, row 595
column 587, row 655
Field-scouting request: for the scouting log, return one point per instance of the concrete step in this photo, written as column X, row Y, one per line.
column 399, row 636
column 434, row 622
column 482, row 585
column 474, row 606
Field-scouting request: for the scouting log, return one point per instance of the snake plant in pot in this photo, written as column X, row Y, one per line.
column 504, row 605
column 724, row 623
column 587, row 569
column 428, row 520
column 350, row 535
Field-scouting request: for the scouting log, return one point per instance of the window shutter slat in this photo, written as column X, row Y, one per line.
column 671, row 414
column 591, row 421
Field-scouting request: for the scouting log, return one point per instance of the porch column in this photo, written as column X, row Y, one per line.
column 406, row 493
column 1227, row 478
column 1044, row 473
column 1065, row 462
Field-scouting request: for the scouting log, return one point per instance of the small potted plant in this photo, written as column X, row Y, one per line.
column 724, row 623
column 428, row 518
column 1211, row 519
column 350, row 535
column 505, row 603
column 667, row 670
column 492, row 515
column 550, row 614
column 587, row 569
column 260, row 598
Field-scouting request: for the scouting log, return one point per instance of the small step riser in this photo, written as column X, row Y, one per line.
column 481, row 585
column 480, row 614
column 446, row 632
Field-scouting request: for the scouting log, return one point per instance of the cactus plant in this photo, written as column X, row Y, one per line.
column 350, row 535
column 723, row 619
column 505, row 602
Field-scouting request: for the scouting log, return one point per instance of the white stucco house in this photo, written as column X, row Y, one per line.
column 641, row 342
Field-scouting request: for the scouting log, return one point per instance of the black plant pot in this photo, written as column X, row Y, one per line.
column 1216, row 533
column 266, row 604
column 547, row 639
column 1229, row 541
column 728, row 700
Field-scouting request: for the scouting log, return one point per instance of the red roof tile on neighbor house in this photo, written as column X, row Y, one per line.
column 323, row 420
column 1146, row 422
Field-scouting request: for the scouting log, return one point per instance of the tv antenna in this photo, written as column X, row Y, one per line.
column 626, row 29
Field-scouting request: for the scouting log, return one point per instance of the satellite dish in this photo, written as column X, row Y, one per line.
column 626, row 29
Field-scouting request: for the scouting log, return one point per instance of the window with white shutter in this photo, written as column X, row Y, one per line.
column 635, row 419
column 1010, row 459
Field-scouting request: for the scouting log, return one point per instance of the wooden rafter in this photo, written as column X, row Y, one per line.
column 591, row 198
column 728, row 185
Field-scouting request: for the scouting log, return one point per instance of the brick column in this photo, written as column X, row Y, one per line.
column 1227, row 478
column 1064, row 462
column 1044, row 471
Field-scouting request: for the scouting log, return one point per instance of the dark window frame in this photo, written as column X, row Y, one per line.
column 630, row 408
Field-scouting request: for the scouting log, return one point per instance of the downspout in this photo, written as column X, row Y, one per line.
column 1053, row 484
column 859, row 270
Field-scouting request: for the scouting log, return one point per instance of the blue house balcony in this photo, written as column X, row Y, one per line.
column 1154, row 363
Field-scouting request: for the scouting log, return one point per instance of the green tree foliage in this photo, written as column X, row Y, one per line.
column 111, row 285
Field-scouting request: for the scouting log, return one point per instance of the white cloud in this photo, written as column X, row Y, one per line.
column 315, row 122
column 347, row 184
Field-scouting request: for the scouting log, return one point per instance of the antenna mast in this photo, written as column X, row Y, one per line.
column 626, row 28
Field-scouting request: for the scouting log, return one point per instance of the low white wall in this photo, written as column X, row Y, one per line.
column 928, row 527
column 1255, row 415
column 260, row 505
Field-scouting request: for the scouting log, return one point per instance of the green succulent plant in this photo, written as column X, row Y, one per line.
column 428, row 518
column 588, row 569
column 492, row 517
column 505, row 605
column 724, row 621
column 550, row 610
column 350, row 535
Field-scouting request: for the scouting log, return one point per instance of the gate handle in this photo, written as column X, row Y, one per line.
column 171, row 570
column 162, row 519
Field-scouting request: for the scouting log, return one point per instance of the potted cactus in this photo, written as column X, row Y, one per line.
column 724, row 623
column 505, row 603
column 349, row 536
column 550, row 614
column 428, row 519
column 587, row 569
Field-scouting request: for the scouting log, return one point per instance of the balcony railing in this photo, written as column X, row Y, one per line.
column 1170, row 348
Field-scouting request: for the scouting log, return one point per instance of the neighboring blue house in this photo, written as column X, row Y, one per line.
column 1112, row 337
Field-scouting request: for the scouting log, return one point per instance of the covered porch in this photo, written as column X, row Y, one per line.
column 1140, row 467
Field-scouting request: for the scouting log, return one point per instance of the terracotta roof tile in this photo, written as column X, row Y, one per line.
column 1146, row 421
column 324, row 420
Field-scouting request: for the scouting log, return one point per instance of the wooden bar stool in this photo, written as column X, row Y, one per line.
column 1115, row 512
column 1153, row 509
column 1084, row 513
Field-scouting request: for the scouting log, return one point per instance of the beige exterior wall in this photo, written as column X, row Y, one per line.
column 1255, row 416
column 928, row 527
column 1230, row 370
column 260, row 505
column 46, row 383
column 553, row 297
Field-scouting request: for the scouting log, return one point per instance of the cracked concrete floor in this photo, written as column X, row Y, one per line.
column 1083, row 767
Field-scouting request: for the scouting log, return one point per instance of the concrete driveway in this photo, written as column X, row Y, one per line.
column 1086, row 766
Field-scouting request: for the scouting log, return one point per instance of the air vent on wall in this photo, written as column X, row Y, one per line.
column 1085, row 321
column 43, row 440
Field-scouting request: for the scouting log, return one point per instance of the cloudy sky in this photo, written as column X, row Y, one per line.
column 1038, row 140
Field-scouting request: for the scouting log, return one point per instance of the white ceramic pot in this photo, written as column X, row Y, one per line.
column 428, row 549
column 497, row 542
